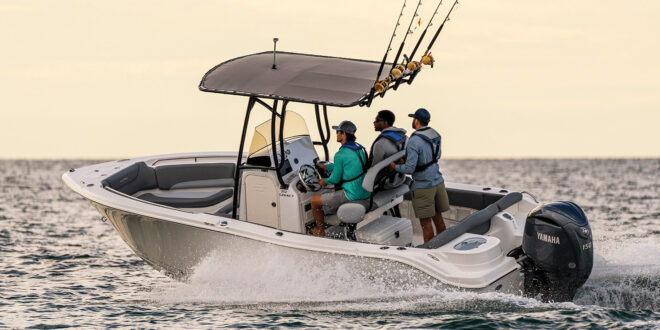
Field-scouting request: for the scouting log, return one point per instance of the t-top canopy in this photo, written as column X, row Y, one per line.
column 324, row 80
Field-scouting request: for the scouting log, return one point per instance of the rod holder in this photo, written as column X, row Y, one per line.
column 275, row 40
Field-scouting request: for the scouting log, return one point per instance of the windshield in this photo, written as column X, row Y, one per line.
column 294, row 125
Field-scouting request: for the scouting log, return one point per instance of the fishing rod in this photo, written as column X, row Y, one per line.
column 411, row 65
column 428, row 49
column 403, row 42
column 421, row 37
column 427, row 58
column 389, row 46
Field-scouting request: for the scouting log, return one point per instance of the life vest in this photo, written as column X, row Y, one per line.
column 397, row 138
column 433, row 139
column 355, row 147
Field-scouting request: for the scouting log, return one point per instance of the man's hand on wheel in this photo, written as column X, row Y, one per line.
column 322, row 182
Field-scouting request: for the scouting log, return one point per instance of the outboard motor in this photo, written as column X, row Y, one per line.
column 558, row 251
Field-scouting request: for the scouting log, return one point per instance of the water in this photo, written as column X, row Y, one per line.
column 61, row 266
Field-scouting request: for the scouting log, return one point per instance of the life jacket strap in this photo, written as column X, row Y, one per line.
column 396, row 138
column 435, row 147
column 363, row 162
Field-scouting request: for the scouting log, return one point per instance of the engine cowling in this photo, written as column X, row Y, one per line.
column 558, row 248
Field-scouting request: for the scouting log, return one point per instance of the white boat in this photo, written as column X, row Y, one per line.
column 175, row 210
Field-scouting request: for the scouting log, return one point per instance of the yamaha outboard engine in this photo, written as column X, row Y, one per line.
column 558, row 251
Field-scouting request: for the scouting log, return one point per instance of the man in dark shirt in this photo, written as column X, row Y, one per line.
column 390, row 141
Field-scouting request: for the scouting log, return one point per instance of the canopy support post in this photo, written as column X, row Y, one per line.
column 322, row 135
column 272, row 133
column 277, row 163
column 327, row 132
column 239, row 158
column 267, row 106
column 282, row 155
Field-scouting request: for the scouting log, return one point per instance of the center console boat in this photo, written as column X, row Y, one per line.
column 175, row 210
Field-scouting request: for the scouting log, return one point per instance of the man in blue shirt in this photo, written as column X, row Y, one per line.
column 429, row 196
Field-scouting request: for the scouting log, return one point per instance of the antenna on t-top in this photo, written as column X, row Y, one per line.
column 275, row 40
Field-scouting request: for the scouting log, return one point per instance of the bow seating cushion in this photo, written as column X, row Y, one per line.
column 189, row 199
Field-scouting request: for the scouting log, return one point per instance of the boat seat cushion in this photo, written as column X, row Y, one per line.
column 204, row 183
column 383, row 197
column 132, row 179
column 188, row 199
column 354, row 211
column 351, row 212
column 168, row 176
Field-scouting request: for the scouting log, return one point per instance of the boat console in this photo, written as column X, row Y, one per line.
column 261, row 194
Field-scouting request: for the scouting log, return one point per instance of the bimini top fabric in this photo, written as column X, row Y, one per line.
column 334, row 81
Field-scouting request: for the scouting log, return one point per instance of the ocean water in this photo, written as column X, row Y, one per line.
column 60, row 266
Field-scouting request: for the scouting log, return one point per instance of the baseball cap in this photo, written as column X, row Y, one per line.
column 346, row 126
column 421, row 114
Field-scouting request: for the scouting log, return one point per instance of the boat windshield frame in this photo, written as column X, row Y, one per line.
column 322, row 124
column 292, row 128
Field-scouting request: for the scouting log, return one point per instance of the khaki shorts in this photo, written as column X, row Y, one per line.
column 333, row 200
column 428, row 202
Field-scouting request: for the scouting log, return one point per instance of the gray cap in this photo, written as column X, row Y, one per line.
column 346, row 126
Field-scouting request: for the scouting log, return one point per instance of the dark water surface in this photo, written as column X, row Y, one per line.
column 61, row 266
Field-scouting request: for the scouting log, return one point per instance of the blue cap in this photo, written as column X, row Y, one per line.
column 421, row 114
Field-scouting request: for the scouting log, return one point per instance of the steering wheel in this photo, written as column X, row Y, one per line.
column 309, row 177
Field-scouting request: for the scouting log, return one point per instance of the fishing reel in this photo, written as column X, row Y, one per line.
column 413, row 66
column 382, row 85
column 398, row 71
column 428, row 60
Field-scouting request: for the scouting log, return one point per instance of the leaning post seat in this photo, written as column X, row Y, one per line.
column 359, row 210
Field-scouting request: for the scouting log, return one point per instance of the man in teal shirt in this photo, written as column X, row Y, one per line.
column 350, row 165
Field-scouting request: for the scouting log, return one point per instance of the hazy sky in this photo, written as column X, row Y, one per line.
column 514, row 78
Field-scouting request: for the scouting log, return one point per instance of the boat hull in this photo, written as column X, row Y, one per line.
column 178, row 249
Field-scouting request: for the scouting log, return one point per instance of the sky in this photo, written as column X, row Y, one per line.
column 513, row 78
